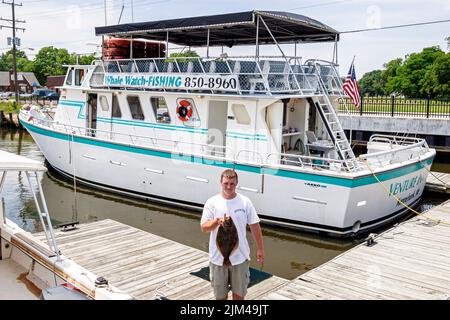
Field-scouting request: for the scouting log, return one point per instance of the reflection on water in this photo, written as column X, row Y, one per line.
column 288, row 253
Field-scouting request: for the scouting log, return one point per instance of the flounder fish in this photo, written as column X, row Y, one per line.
column 227, row 239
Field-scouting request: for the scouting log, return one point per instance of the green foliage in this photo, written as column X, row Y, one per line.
column 373, row 84
column 49, row 62
column 10, row 106
column 419, row 75
column 181, row 55
column 23, row 64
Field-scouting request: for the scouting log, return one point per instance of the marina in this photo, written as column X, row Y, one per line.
column 139, row 125
column 113, row 187
column 408, row 261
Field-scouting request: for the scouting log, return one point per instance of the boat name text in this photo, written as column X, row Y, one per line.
column 170, row 81
column 400, row 187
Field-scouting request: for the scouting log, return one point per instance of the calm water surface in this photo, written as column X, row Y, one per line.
column 288, row 253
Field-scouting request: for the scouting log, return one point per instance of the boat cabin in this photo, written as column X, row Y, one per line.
column 249, row 108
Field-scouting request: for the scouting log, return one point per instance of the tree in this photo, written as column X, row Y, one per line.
column 436, row 82
column 373, row 83
column 410, row 76
column 23, row 64
column 49, row 62
column 188, row 54
column 82, row 59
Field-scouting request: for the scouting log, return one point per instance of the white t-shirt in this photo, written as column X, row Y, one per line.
column 242, row 211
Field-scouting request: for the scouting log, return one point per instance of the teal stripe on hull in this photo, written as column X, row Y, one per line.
column 343, row 182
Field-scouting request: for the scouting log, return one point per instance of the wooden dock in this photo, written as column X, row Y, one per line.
column 409, row 261
column 144, row 265
column 438, row 182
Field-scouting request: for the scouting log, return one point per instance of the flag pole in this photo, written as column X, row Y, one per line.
column 351, row 117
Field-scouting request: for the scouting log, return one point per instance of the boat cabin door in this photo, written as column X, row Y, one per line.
column 217, row 126
column 91, row 124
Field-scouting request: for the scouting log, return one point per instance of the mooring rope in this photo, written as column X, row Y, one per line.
column 400, row 201
column 437, row 178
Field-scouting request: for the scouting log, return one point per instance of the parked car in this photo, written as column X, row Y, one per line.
column 26, row 95
column 41, row 93
column 6, row 95
column 52, row 96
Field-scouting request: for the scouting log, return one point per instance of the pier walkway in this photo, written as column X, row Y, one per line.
column 409, row 261
column 438, row 182
column 144, row 265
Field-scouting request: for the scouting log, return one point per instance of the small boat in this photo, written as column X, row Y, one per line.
column 164, row 128
column 40, row 265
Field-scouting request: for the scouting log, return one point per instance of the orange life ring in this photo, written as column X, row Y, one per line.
column 184, row 110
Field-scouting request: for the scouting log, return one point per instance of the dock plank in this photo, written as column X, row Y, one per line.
column 142, row 264
column 409, row 261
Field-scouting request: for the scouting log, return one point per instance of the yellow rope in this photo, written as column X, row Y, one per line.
column 400, row 201
column 437, row 178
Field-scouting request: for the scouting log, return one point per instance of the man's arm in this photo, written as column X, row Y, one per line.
column 210, row 225
column 257, row 235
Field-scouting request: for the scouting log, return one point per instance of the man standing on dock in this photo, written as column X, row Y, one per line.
column 242, row 211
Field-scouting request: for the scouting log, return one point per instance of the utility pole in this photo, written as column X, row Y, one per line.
column 14, row 21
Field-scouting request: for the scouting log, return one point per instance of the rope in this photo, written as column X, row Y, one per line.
column 400, row 201
column 443, row 182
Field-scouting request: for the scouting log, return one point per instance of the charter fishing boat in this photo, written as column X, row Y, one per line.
column 163, row 128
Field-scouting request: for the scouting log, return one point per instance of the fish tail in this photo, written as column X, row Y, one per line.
column 226, row 262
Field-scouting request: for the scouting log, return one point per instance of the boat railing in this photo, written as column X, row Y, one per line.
column 299, row 160
column 395, row 140
column 327, row 71
column 174, row 146
column 399, row 149
column 266, row 75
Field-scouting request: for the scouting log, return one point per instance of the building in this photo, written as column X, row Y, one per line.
column 53, row 82
column 26, row 81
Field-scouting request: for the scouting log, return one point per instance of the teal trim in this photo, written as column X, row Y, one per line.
column 344, row 182
column 246, row 136
column 135, row 123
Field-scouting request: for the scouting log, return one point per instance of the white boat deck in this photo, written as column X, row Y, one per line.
column 13, row 284
column 144, row 265
column 409, row 261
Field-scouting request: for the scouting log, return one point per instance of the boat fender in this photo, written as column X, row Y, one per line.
column 184, row 110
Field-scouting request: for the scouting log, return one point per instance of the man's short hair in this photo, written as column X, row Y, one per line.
column 229, row 174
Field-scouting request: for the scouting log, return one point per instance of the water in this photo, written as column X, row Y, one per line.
column 288, row 253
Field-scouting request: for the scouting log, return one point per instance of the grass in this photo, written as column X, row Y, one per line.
column 9, row 107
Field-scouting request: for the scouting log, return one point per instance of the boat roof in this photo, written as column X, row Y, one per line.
column 14, row 162
column 227, row 29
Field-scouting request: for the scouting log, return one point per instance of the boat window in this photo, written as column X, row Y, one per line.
column 79, row 76
column 240, row 113
column 160, row 109
column 104, row 103
column 192, row 120
column 116, row 113
column 69, row 77
column 135, row 107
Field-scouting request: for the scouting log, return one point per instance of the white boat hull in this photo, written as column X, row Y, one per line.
column 337, row 205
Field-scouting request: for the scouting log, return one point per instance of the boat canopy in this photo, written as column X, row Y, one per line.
column 13, row 162
column 241, row 28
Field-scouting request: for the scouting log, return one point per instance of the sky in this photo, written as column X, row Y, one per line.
column 71, row 24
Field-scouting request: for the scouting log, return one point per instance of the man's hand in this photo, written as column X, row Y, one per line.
column 260, row 256
column 212, row 224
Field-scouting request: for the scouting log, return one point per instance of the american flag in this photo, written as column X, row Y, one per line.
column 351, row 87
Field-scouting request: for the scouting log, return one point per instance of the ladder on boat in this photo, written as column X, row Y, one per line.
column 333, row 127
